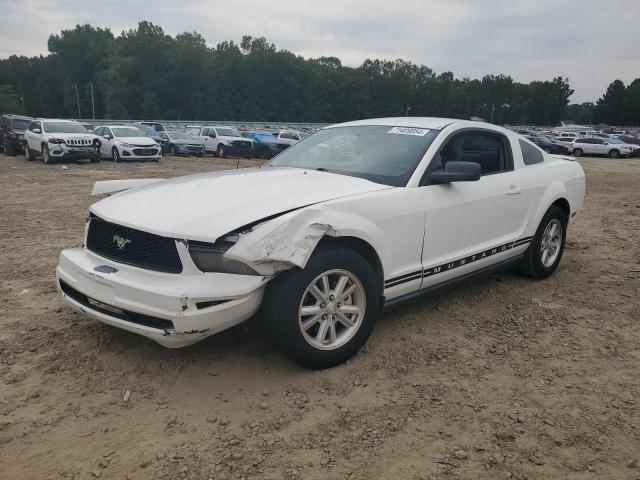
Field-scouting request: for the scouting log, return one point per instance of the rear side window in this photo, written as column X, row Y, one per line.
column 530, row 154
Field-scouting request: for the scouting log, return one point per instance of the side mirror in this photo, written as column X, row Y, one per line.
column 456, row 172
column 37, row 130
column 106, row 137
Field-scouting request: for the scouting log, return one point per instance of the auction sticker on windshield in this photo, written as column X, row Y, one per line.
column 419, row 132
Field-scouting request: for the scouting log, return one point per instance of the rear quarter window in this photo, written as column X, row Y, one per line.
column 530, row 154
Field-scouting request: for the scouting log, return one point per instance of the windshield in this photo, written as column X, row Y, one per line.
column 64, row 127
column 21, row 124
column 228, row 132
column 127, row 132
column 382, row 154
column 179, row 135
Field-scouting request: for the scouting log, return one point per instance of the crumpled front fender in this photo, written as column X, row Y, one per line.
column 289, row 240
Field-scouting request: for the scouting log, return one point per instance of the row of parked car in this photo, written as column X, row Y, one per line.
column 586, row 143
column 55, row 139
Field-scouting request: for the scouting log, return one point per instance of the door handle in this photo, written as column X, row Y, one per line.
column 514, row 190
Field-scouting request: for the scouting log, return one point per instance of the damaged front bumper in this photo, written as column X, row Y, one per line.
column 174, row 310
column 61, row 151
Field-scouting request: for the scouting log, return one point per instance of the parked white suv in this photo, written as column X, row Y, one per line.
column 127, row 143
column 611, row 147
column 222, row 141
column 60, row 140
column 567, row 136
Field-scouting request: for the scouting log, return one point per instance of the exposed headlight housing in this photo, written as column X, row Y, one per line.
column 209, row 257
column 56, row 141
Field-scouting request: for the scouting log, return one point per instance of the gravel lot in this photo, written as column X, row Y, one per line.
column 503, row 377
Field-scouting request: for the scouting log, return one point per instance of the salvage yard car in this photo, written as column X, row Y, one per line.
column 354, row 218
column 127, row 143
column 56, row 140
column 609, row 147
column 12, row 129
column 270, row 144
column 183, row 144
column 222, row 141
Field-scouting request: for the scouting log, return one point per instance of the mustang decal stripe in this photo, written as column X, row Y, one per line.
column 445, row 267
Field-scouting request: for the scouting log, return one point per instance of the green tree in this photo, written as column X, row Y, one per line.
column 610, row 108
column 9, row 100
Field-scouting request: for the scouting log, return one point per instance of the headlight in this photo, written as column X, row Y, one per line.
column 56, row 140
column 126, row 145
column 209, row 257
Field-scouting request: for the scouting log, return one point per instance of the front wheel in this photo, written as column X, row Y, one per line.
column 173, row 151
column 46, row 158
column 577, row 152
column 614, row 153
column 28, row 154
column 323, row 314
column 545, row 251
column 115, row 155
column 220, row 151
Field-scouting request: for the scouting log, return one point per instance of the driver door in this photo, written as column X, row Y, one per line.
column 471, row 225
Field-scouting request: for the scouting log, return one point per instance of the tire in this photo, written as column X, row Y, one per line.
column 614, row 153
column 265, row 153
column 172, row 151
column 28, row 154
column 220, row 151
column 288, row 293
column 95, row 159
column 578, row 152
column 46, row 158
column 115, row 155
column 534, row 264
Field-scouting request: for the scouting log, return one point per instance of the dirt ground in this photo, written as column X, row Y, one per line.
column 503, row 377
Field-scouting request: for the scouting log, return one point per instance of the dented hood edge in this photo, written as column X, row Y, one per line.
column 107, row 187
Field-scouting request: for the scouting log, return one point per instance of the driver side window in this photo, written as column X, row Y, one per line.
column 489, row 150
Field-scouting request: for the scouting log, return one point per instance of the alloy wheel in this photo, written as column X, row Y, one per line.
column 551, row 243
column 332, row 309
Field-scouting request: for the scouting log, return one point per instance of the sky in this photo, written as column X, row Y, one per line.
column 592, row 42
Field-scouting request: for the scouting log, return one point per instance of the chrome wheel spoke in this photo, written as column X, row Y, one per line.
column 332, row 332
column 348, row 292
column 307, row 324
column 322, row 331
column 342, row 282
column 343, row 319
column 551, row 243
column 311, row 310
column 326, row 289
column 349, row 309
column 316, row 292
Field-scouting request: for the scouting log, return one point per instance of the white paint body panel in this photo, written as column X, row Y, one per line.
column 411, row 228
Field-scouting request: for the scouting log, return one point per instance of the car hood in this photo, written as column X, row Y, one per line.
column 208, row 205
column 146, row 141
column 72, row 136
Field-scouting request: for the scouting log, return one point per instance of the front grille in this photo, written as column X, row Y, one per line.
column 116, row 312
column 75, row 142
column 140, row 249
column 145, row 151
column 194, row 148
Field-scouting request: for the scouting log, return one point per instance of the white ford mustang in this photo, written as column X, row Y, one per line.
column 352, row 219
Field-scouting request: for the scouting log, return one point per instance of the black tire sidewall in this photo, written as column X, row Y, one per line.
column 577, row 152
column 282, row 302
column 46, row 157
column 614, row 153
column 115, row 155
column 533, row 255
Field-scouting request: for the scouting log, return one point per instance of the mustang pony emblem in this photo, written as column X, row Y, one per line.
column 120, row 241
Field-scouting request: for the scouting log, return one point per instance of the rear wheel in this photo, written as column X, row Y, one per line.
column 614, row 153
column 545, row 251
column 578, row 152
column 323, row 314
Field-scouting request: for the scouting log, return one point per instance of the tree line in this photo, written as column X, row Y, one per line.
column 146, row 74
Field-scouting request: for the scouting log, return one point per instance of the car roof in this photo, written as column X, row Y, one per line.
column 434, row 123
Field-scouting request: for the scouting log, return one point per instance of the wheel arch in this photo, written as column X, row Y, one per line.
column 360, row 246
